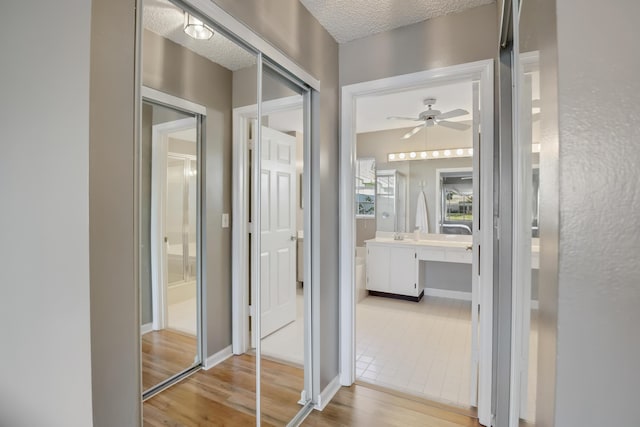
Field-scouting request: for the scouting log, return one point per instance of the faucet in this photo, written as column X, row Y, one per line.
column 398, row 236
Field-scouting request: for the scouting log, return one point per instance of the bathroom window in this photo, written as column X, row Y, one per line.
column 456, row 202
column 365, row 178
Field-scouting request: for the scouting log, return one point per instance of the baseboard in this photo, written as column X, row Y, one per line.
column 146, row 328
column 444, row 293
column 327, row 394
column 217, row 358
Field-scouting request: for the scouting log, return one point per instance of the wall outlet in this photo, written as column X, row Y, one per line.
column 225, row 220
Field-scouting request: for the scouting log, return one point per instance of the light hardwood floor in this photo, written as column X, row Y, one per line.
column 164, row 354
column 225, row 395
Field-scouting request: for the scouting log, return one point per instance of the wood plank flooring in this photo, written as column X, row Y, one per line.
column 359, row 405
column 225, row 396
column 164, row 354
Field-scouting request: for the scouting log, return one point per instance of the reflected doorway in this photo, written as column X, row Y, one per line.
column 170, row 240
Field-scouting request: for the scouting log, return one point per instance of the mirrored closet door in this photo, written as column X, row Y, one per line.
column 169, row 237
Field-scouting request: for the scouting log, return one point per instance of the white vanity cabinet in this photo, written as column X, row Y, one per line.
column 392, row 270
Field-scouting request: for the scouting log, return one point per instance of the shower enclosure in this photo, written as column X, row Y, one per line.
column 391, row 201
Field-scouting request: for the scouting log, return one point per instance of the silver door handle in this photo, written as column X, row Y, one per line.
column 293, row 238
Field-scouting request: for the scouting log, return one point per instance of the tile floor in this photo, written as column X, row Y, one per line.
column 183, row 316
column 419, row 348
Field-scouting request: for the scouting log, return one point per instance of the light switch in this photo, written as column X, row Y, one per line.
column 225, row 220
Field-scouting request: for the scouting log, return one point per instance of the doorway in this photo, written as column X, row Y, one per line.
column 170, row 237
column 404, row 262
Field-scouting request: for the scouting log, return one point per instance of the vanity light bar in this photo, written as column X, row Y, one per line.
column 440, row 154
column 431, row 154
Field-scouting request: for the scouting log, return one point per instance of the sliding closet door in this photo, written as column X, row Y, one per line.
column 169, row 201
column 283, row 293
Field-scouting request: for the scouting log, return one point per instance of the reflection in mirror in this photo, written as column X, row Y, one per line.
column 205, row 70
column 528, row 172
column 284, row 319
column 169, row 200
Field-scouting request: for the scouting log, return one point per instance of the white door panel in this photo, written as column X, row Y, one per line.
column 278, row 230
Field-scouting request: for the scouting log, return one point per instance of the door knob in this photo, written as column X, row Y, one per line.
column 293, row 238
column 469, row 248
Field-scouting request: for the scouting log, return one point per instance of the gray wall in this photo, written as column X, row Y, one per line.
column 290, row 27
column 115, row 322
column 44, row 181
column 589, row 344
column 170, row 68
column 448, row 40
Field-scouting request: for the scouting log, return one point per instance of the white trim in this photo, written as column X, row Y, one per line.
column 173, row 101
column 480, row 70
column 241, row 216
column 445, row 293
column 327, row 394
column 217, row 358
column 225, row 20
column 146, row 328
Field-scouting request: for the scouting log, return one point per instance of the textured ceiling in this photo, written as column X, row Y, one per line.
column 372, row 111
column 348, row 20
column 166, row 20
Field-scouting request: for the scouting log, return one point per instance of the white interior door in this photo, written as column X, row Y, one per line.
column 278, row 231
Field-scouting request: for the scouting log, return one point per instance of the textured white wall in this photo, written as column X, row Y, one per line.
column 45, row 362
column 599, row 247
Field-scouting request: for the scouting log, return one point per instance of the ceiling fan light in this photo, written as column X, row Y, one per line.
column 195, row 28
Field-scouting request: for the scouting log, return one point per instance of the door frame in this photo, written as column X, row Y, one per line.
column 159, row 150
column 159, row 268
column 482, row 71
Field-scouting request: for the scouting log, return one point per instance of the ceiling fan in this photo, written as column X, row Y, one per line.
column 430, row 117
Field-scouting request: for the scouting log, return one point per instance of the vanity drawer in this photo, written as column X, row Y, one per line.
column 431, row 254
column 460, row 255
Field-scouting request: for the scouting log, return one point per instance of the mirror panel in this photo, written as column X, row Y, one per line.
column 282, row 248
column 212, row 74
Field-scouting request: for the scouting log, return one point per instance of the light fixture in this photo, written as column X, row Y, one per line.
column 195, row 28
column 434, row 154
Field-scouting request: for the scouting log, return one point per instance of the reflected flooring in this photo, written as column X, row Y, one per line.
column 164, row 354
column 287, row 344
column 530, row 412
column 363, row 406
column 423, row 348
column 225, row 395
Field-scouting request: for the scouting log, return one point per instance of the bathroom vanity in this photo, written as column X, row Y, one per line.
column 396, row 268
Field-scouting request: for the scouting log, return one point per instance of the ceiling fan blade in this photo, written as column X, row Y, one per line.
column 454, row 125
column 412, row 132
column 413, row 119
column 453, row 113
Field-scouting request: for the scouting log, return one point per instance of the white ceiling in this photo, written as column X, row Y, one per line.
column 354, row 19
column 166, row 20
column 372, row 111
